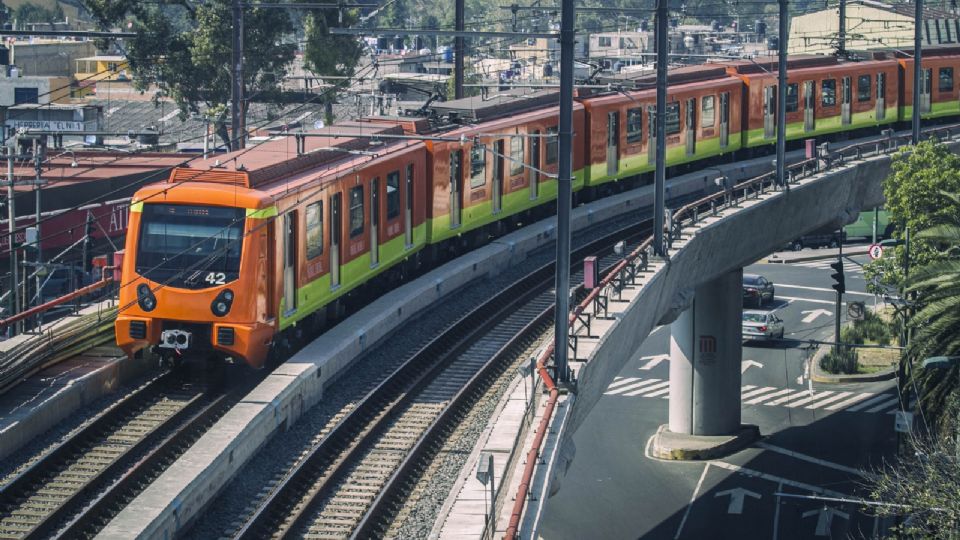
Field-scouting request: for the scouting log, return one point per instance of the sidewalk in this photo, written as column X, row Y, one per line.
column 813, row 254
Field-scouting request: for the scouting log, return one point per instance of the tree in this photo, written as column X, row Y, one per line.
column 33, row 13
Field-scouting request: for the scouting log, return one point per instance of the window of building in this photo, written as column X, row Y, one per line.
column 946, row 79
column 478, row 165
column 356, row 211
column 793, row 97
column 314, row 215
column 828, row 91
column 672, row 123
column 553, row 145
column 393, row 194
column 606, row 41
column 709, row 113
column 25, row 95
column 516, row 156
column 863, row 88
column 634, row 125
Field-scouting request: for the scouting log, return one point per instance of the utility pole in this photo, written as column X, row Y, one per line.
column 782, row 98
column 918, row 79
column 564, row 192
column 37, row 162
column 840, row 288
column 11, row 235
column 660, row 175
column 458, row 52
column 236, row 94
column 842, row 34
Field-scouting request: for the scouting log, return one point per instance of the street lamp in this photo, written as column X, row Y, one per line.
column 940, row 363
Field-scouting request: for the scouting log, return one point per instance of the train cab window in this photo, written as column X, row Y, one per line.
column 946, row 79
column 393, row 194
column 793, row 97
column 516, row 156
column 672, row 123
column 478, row 165
column 863, row 88
column 356, row 211
column 828, row 92
column 634, row 125
column 553, row 145
column 314, row 217
column 709, row 114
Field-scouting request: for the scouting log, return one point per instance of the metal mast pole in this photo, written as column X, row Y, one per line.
column 236, row 93
column 661, row 162
column 37, row 160
column 782, row 99
column 11, row 227
column 458, row 52
column 917, row 68
column 564, row 192
column 842, row 34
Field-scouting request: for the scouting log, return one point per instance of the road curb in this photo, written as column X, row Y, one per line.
column 818, row 375
column 817, row 257
column 679, row 447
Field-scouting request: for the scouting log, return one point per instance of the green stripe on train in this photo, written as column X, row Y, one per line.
column 318, row 293
column 676, row 155
column 945, row 108
column 823, row 126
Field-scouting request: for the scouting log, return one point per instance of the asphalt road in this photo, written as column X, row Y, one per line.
column 813, row 446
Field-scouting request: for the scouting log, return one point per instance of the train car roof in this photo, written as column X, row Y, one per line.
column 678, row 75
column 509, row 103
column 769, row 64
column 283, row 156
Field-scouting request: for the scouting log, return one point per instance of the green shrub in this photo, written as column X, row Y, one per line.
column 842, row 360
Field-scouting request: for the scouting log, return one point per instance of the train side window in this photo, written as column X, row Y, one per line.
column 393, row 194
column 709, row 114
column 672, row 122
column 356, row 211
column 863, row 88
column 553, row 145
column 946, row 79
column 634, row 125
column 793, row 97
column 828, row 92
column 478, row 165
column 314, row 216
column 516, row 156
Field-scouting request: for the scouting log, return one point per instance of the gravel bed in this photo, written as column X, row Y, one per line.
column 278, row 455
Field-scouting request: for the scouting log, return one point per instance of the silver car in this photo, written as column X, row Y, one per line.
column 761, row 325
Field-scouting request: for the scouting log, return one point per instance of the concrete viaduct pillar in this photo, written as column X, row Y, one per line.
column 705, row 354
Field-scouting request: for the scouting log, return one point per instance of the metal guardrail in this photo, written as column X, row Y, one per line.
column 625, row 273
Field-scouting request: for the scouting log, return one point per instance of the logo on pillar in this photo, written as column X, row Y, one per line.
column 708, row 349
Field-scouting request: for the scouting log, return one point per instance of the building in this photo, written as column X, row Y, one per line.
column 54, row 58
column 870, row 25
column 15, row 89
column 536, row 51
column 54, row 117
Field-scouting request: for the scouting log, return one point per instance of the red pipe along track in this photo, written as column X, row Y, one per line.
column 36, row 310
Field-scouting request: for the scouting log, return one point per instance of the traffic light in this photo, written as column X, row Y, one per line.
column 837, row 275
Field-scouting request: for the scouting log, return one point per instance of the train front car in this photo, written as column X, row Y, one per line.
column 195, row 274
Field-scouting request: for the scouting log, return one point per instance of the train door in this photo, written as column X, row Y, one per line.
column 691, row 126
column 290, row 261
column 456, row 186
column 881, row 96
column 336, row 226
column 496, row 186
column 651, row 134
column 375, row 221
column 613, row 142
column 926, row 84
column 809, row 105
column 408, row 209
column 769, row 112
column 535, row 164
column 846, row 93
column 724, row 119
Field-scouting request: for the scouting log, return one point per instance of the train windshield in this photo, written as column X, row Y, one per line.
column 190, row 246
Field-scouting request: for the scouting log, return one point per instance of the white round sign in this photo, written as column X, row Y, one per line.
column 875, row 251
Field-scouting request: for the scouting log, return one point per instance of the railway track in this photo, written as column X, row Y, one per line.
column 78, row 484
column 355, row 478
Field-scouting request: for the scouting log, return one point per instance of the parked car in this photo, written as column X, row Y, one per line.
column 829, row 239
column 757, row 290
column 759, row 324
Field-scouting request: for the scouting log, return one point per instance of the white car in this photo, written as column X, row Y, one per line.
column 759, row 324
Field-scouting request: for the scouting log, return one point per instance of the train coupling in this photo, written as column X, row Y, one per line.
column 178, row 340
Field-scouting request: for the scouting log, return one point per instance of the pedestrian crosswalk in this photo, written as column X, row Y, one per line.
column 791, row 398
column 848, row 266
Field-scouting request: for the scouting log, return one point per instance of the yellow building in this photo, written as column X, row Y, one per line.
column 870, row 25
column 102, row 68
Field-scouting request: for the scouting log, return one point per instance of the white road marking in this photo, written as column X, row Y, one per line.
column 756, row 392
column 851, row 401
column 774, row 478
column 642, row 391
column 761, row 399
column 654, row 360
column 884, row 405
column 814, row 397
column 831, row 399
column 693, row 498
column 880, row 397
column 789, row 397
column 811, row 459
column 811, row 300
column 660, row 392
column 622, row 381
column 813, row 314
column 822, row 289
column 628, row 387
column 747, row 364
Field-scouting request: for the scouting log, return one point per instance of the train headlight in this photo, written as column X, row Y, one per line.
column 221, row 304
column 145, row 298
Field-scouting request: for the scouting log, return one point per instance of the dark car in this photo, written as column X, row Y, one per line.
column 818, row 240
column 757, row 290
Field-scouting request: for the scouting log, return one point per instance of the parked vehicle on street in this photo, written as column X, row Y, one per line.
column 757, row 290
column 830, row 239
column 761, row 325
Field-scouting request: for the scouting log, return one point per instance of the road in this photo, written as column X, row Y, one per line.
column 814, row 444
